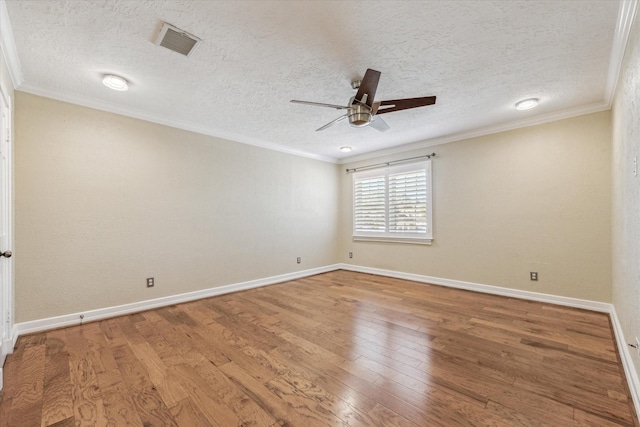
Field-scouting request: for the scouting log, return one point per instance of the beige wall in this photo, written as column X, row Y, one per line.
column 532, row 199
column 104, row 201
column 626, row 193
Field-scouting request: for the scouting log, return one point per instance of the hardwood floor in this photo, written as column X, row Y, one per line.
column 337, row 349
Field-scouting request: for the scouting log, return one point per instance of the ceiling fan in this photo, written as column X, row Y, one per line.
column 363, row 110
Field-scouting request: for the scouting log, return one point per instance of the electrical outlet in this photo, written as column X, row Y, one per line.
column 150, row 282
column 533, row 275
column 350, row 254
column 298, row 260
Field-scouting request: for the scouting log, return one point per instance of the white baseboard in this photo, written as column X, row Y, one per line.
column 627, row 362
column 5, row 349
column 487, row 289
column 104, row 313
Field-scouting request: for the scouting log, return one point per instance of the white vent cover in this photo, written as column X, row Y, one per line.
column 175, row 39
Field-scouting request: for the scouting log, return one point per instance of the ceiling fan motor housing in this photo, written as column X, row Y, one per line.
column 359, row 115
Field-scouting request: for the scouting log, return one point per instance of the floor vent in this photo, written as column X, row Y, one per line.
column 175, row 39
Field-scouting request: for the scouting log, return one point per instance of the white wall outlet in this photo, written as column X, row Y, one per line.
column 298, row 260
column 150, row 282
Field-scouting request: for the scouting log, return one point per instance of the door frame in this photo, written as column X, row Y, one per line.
column 7, row 334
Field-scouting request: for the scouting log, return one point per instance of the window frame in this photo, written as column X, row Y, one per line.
column 424, row 238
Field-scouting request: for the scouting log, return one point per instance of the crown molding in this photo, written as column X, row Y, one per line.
column 626, row 16
column 138, row 114
column 488, row 130
column 8, row 47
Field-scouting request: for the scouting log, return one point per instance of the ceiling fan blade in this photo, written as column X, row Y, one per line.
column 368, row 86
column 405, row 104
column 331, row 123
column 379, row 124
column 320, row 104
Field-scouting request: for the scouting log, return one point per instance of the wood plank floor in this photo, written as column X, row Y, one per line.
column 336, row 349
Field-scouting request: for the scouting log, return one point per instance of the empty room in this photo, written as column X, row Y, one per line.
column 319, row 213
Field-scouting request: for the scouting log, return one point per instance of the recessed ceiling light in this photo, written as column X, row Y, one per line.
column 527, row 104
column 115, row 82
column 345, row 149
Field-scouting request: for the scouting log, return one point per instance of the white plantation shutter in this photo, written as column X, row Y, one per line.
column 408, row 202
column 393, row 204
column 370, row 196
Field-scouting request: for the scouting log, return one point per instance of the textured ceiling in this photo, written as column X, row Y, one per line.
column 477, row 57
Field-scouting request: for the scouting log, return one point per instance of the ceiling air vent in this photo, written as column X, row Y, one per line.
column 175, row 39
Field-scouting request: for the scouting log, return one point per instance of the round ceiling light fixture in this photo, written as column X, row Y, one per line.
column 527, row 104
column 345, row 149
column 115, row 82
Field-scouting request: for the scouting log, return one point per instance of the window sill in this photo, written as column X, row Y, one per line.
column 409, row 240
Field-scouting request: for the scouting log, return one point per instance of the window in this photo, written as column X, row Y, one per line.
column 393, row 204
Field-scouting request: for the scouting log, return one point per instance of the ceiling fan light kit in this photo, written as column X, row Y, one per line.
column 359, row 115
column 363, row 111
